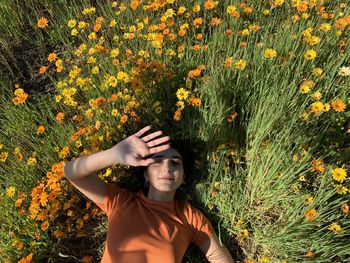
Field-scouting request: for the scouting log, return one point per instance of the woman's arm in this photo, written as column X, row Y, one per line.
column 81, row 172
column 215, row 252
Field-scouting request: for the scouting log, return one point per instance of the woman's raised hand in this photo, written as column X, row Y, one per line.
column 133, row 150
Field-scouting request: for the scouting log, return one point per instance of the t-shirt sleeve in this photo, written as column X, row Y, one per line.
column 202, row 229
column 115, row 197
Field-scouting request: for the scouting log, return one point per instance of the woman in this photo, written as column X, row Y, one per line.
column 153, row 228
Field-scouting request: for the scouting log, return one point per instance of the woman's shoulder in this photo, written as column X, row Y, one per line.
column 189, row 209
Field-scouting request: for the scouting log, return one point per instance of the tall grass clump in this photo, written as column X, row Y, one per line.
column 261, row 88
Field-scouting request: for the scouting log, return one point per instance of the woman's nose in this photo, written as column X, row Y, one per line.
column 166, row 166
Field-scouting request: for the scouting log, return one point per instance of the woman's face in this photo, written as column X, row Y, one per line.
column 166, row 174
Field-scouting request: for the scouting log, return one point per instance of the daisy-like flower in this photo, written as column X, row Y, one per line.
column 182, row 94
column 339, row 174
column 310, row 54
column 335, row 228
column 338, row 105
column 270, row 53
column 52, row 57
column 72, row 23
column 42, row 22
column 11, row 191
column 42, row 69
column 344, row 71
column 241, row 64
column 316, row 95
column 310, row 214
column 317, row 107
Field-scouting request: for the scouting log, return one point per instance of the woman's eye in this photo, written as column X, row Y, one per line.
column 175, row 162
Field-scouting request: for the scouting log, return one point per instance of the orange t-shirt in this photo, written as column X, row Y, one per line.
column 145, row 230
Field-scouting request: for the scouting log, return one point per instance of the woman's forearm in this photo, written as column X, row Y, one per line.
column 86, row 165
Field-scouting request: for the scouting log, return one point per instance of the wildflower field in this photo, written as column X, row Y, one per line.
column 261, row 88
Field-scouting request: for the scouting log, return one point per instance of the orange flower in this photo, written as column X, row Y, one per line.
column 124, row 118
column 310, row 214
column 341, row 23
column 210, row 4
column 310, row 254
column 215, row 21
column 338, row 105
column 177, row 115
column 42, row 70
column 45, row 225
column 52, row 57
column 345, row 208
column 134, row 4
column 27, row 259
column 318, row 166
column 40, row 129
column 195, row 102
column 197, row 22
column 181, row 32
column 58, row 234
column 231, row 117
column 42, row 22
column 60, row 117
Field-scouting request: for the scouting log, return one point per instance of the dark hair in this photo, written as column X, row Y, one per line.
column 186, row 151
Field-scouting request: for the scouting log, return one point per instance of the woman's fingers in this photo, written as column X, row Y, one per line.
column 151, row 136
column 158, row 141
column 143, row 130
column 159, row 149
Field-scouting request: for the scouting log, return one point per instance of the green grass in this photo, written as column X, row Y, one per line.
column 248, row 175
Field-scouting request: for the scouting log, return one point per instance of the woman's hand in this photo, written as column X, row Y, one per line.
column 133, row 150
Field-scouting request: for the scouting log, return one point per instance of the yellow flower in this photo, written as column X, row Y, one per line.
column 31, row 161
column 304, row 89
column 308, row 200
column 302, row 178
column 74, row 32
column 114, row 52
column 310, row 54
column 3, row 156
column 317, row 107
column 182, row 94
column 91, row 60
column 112, row 23
column 317, row 72
column 180, row 104
column 95, row 70
column 245, row 32
column 316, row 95
column 115, row 112
column 335, row 228
column 244, row 233
column 19, row 92
column 326, row 107
column 82, row 24
column 92, row 36
column 341, row 189
column 42, row 22
column 264, row 259
column 196, row 8
column 339, row 174
column 266, row 12
column 325, row 27
column 270, row 53
column 72, row 23
column 11, row 191
column 241, row 64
